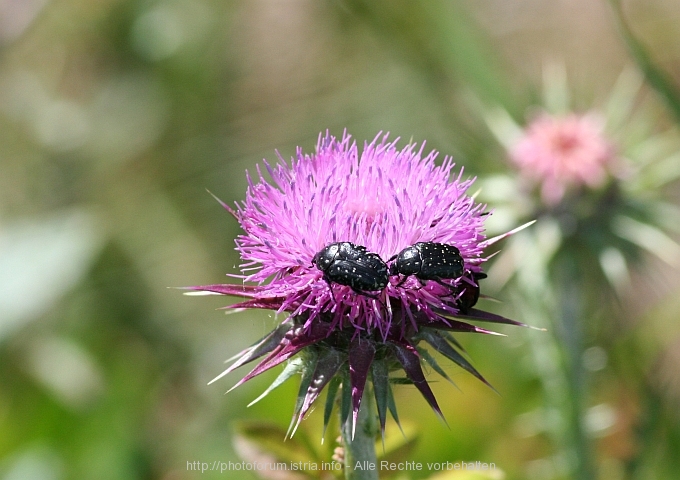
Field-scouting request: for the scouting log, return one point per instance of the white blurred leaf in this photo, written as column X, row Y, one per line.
column 504, row 128
column 66, row 370
column 40, row 260
column 615, row 268
column 37, row 462
column 622, row 98
column 649, row 238
column 555, row 88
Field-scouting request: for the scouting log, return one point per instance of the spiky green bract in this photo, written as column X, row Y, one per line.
column 347, row 359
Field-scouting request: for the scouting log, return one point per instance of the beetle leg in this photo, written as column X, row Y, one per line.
column 330, row 287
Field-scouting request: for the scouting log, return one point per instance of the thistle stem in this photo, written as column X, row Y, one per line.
column 572, row 335
column 360, row 459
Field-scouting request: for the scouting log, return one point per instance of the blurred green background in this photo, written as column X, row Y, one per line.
column 117, row 115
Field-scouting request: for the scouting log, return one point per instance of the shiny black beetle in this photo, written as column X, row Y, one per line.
column 352, row 265
column 428, row 261
column 469, row 291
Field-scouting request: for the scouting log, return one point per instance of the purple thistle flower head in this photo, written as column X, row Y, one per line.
column 382, row 201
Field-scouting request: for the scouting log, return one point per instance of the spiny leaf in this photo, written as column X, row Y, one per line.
column 491, row 241
column 450, row 324
column 391, row 404
column 270, row 339
column 327, row 365
column 291, row 369
column 264, row 303
column 268, row 343
column 224, row 205
column 482, row 316
column 346, row 401
column 433, row 363
column 361, row 354
column 293, row 342
column 331, row 394
column 410, row 361
column 648, row 237
column 452, row 340
column 443, row 347
column 307, row 376
column 381, row 386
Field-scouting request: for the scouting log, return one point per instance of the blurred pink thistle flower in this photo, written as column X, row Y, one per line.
column 563, row 152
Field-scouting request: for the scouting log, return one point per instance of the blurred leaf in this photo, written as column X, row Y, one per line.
column 458, row 474
column 656, row 77
column 37, row 462
column 399, row 442
column 261, row 442
column 40, row 260
column 67, row 370
column 440, row 39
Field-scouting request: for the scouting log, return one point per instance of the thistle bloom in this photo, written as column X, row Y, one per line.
column 604, row 200
column 562, row 152
column 603, row 179
column 385, row 200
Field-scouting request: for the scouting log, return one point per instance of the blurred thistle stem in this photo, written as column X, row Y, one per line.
column 571, row 331
column 656, row 77
column 360, row 450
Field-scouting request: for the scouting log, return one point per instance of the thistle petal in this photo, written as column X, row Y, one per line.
column 227, row 289
column 498, row 238
column 267, row 303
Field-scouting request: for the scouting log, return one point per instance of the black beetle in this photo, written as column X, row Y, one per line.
column 428, row 261
column 468, row 291
column 352, row 265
